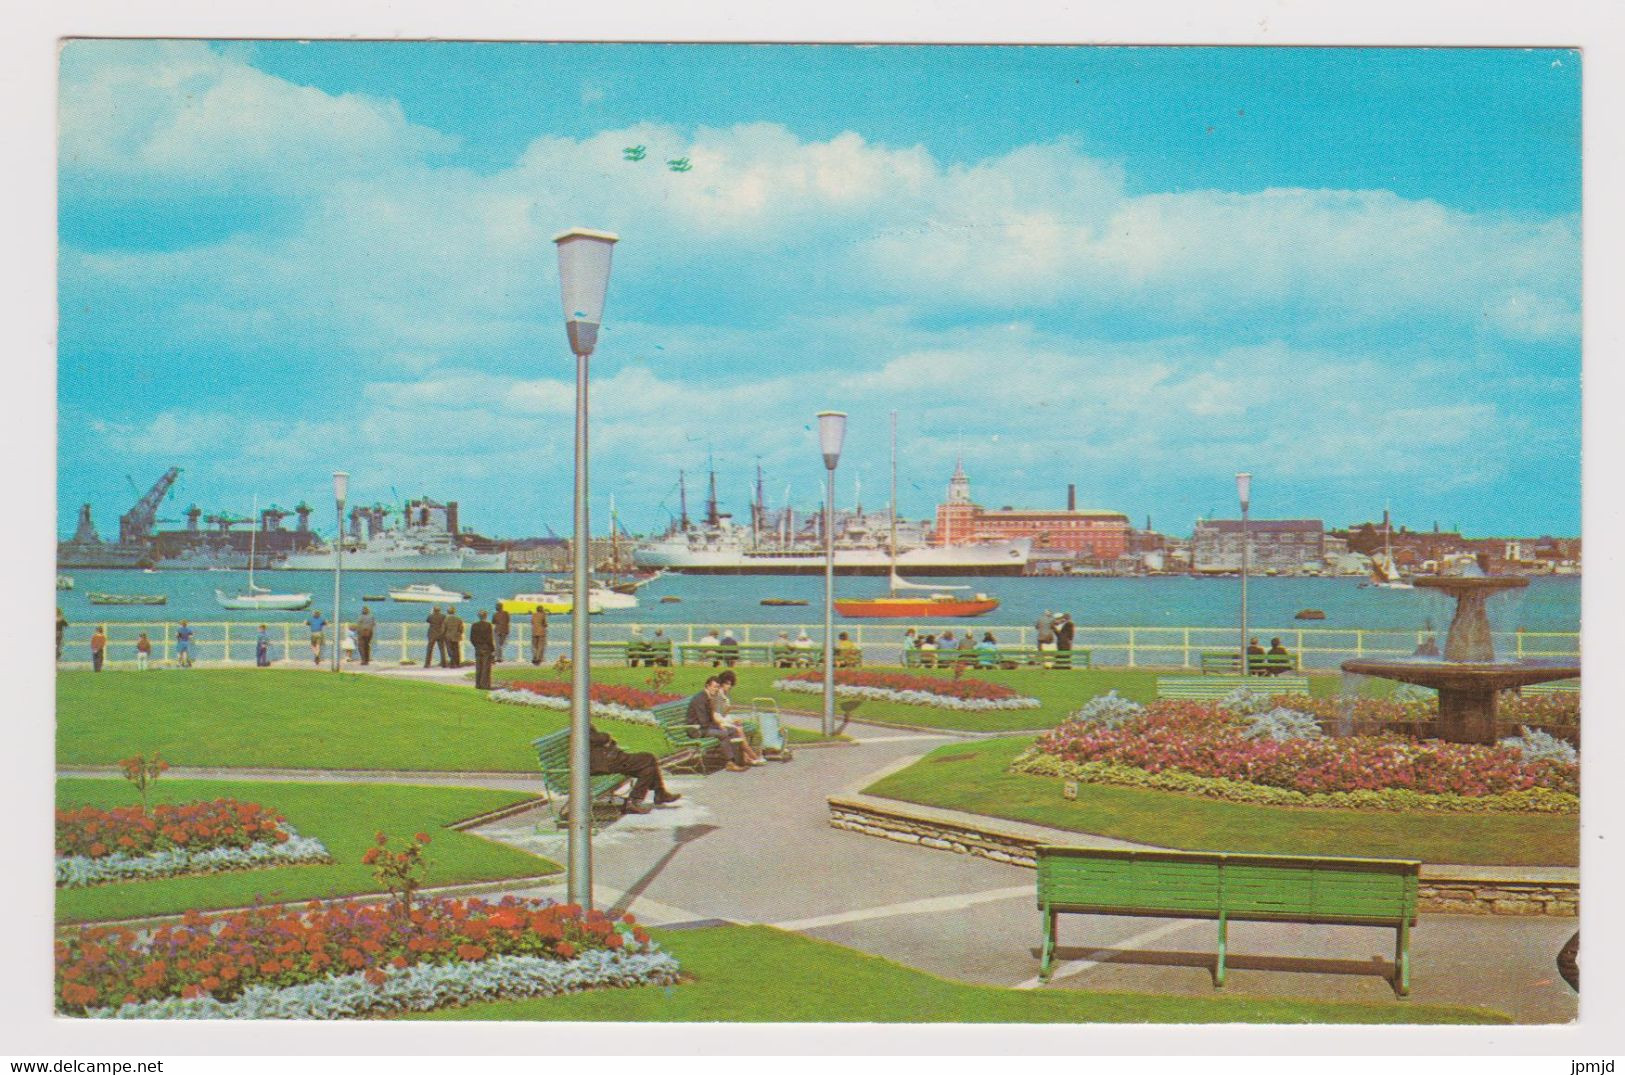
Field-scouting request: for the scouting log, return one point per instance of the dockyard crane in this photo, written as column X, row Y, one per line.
column 135, row 525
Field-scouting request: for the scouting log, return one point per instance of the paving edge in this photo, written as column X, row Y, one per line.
column 1454, row 892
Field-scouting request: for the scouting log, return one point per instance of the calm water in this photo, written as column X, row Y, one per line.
column 1548, row 604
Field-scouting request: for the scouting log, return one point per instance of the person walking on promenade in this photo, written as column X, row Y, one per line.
column 98, row 648
column 1064, row 629
column 500, row 624
column 605, row 757
column 451, row 638
column 703, row 721
column 365, row 627
column 262, row 648
column 183, row 645
column 318, row 636
column 538, row 635
column 143, row 652
column 482, row 636
column 61, row 630
column 437, row 628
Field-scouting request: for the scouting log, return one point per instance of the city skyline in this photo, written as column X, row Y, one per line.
column 1354, row 273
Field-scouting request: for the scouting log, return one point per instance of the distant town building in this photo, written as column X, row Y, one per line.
column 1273, row 544
column 1087, row 534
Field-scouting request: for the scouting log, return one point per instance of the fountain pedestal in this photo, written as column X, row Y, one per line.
column 1468, row 676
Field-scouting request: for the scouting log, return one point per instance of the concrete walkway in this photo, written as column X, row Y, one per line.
column 757, row 847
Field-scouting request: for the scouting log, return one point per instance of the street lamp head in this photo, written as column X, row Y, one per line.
column 1244, row 488
column 584, row 282
column 831, row 433
column 341, row 486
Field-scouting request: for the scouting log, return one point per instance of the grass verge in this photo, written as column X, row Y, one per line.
column 342, row 816
column 973, row 777
column 752, row 974
column 294, row 718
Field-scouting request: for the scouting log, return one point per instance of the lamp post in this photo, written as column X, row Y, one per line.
column 1244, row 489
column 583, row 281
column 831, row 432
column 341, row 487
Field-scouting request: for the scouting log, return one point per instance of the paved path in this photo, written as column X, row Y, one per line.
column 757, row 847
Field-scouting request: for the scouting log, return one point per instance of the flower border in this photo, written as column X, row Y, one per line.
column 607, row 710
column 421, row 987
column 82, row 871
column 910, row 697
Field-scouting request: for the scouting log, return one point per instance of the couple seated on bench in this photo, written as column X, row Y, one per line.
column 605, row 758
column 708, row 713
column 1273, row 663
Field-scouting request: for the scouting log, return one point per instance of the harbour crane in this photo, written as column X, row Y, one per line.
column 135, row 525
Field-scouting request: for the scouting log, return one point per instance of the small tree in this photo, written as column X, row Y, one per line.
column 400, row 872
column 659, row 679
column 561, row 668
column 143, row 772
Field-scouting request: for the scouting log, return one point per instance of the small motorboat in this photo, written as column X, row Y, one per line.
column 64, row 582
column 670, row 599
column 1310, row 614
column 428, row 593
column 781, row 602
column 128, row 598
column 552, row 602
column 375, row 597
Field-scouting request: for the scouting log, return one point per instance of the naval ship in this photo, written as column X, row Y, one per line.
column 425, row 539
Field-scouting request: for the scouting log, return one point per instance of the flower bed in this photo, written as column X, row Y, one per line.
column 96, row 846
column 1206, row 741
column 963, row 693
column 605, row 700
column 350, row 958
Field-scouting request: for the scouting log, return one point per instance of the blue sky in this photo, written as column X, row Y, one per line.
column 1355, row 273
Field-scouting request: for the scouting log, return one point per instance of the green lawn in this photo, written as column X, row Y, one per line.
column 973, row 777
column 751, row 974
column 1060, row 691
column 342, row 816
column 290, row 718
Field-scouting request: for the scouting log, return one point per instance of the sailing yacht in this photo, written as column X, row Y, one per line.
column 260, row 598
column 1384, row 572
column 935, row 603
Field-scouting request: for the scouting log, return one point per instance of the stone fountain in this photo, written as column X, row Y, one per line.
column 1467, row 676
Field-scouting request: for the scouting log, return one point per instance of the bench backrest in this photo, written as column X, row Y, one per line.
column 1202, row 884
column 553, row 754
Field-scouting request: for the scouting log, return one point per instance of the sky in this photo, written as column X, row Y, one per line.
column 1354, row 273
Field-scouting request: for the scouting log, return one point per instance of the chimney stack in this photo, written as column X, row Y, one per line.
column 451, row 517
column 1071, row 497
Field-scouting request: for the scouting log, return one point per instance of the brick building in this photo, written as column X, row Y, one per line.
column 1278, row 544
column 1086, row 534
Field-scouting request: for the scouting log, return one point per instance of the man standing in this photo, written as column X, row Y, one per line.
column 61, row 629
column 1046, row 633
column 1064, row 628
column 482, row 636
column 538, row 635
column 364, row 628
column 500, row 623
column 606, row 757
column 451, row 638
column 437, row 627
column 98, row 648
column 317, row 626
column 183, row 645
column 262, row 648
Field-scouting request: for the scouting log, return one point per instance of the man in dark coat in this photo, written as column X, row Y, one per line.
column 1064, row 628
column 451, row 638
column 605, row 757
column 483, row 638
column 702, row 717
column 499, row 625
column 364, row 629
column 538, row 635
column 437, row 627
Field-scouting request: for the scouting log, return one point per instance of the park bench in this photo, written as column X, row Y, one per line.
column 1213, row 688
column 1227, row 663
column 553, row 755
column 1561, row 686
column 717, row 653
column 649, row 653
column 1313, row 890
column 1008, row 657
column 689, row 749
column 851, row 657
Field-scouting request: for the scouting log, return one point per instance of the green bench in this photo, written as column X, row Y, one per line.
column 1008, row 657
column 1213, row 688
column 1228, row 887
column 1227, row 663
column 553, row 755
column 689, row 749
column 1562, row 686
column 633, row 653
column 715, row 653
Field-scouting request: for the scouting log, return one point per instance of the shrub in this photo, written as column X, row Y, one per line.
column 1281, row 723
column 1244, row 701
column 1535, row 746
column 1108, row 710
column 143, row 772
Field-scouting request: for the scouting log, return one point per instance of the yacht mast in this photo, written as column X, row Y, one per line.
column 893, row 513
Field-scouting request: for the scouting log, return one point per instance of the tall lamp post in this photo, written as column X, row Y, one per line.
column 1244, row 489
column 583, row 281
column 341, row 487
column 831, row 432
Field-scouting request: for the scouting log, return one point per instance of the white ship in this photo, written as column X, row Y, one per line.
column 861, row 548
column 425, row 541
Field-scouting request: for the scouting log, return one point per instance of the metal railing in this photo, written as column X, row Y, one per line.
column 1321, row 648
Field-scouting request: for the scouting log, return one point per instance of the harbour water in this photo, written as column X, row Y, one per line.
column 1549, row 604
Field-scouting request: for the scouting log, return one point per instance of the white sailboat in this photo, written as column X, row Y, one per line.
column 1384, row 572
column 260, row 598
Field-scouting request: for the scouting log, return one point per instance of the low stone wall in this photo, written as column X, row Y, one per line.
column 1436, row 895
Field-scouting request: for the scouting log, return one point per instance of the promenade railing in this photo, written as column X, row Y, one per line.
column 402, row 643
